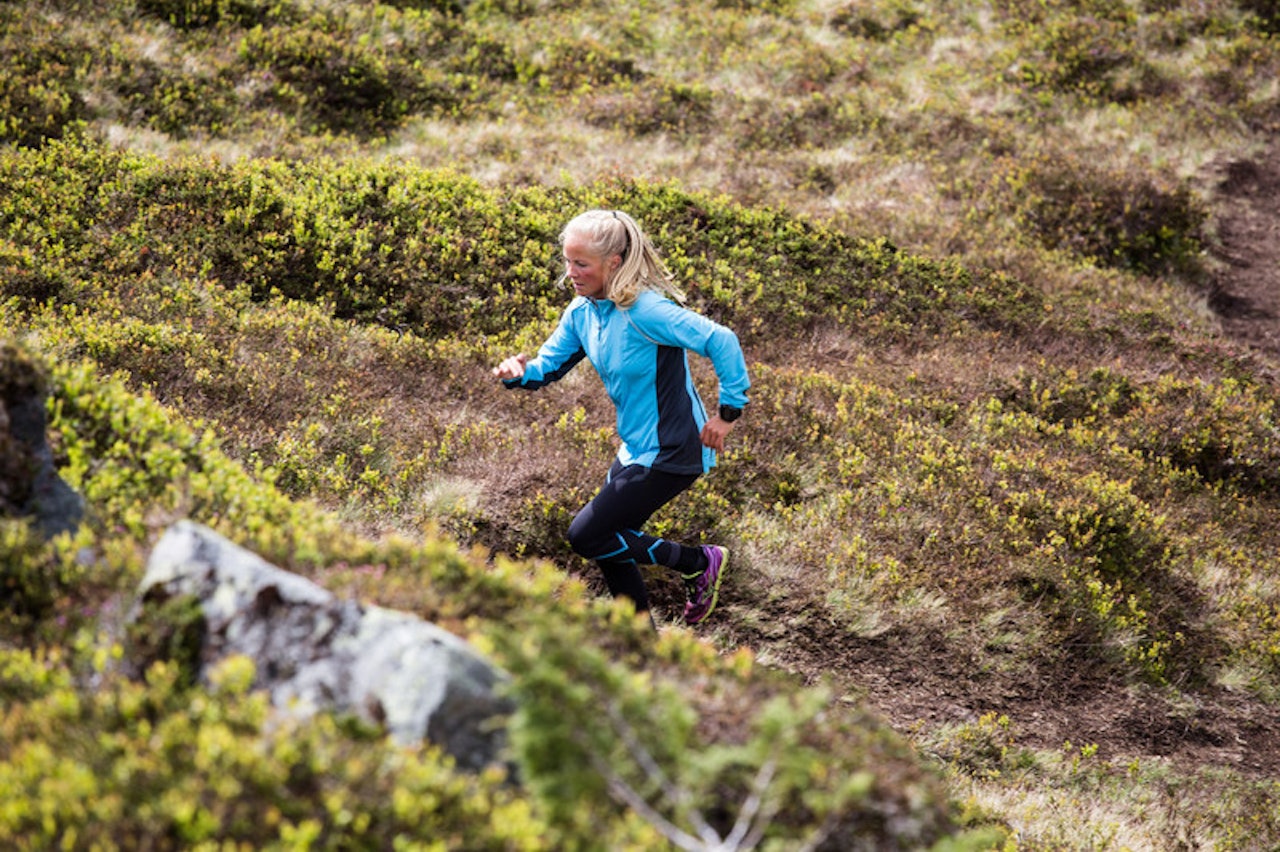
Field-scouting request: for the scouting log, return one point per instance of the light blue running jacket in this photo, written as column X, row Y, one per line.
column 641, row 354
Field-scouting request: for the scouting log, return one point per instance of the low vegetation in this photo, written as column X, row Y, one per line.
column 262, row 255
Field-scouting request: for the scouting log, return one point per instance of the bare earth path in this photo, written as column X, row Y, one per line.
column 911, row 685
column 1247, row 287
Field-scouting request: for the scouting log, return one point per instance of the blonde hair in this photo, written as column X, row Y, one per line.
column 612, row 232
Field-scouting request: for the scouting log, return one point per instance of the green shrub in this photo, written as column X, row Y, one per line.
column 878, row 21
column 156, row 764
column 321, row 69
column 1092, row 49
column 466, row 53
column 1224, row 431
column 597, row 737
column 1267, row 14
column 646, row 108
column 1221, row 431
column 451, row 7
column 436, row 252
column 565, row 64
column 201, row 14
column 1079, row 54
column 1116, row 218
column 779, row 7
column 49, row 589
column 42, row 90
column 1102, row 395
column 813, row 121
column 177, row 102
column 134, row 460
column 171, row 632
column 986, row 748
column 361, row 64
column 29, row 577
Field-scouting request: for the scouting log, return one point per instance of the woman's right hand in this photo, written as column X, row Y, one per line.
column 511, row 368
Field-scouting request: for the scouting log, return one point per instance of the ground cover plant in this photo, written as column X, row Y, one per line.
column 1005, row 486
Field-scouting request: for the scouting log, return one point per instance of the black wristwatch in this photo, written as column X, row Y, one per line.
column 730, row 413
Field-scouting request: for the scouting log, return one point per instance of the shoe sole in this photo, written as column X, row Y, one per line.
column 715, row 587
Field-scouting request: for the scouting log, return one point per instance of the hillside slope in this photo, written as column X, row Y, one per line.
column 913, row 685
column 1005, row 277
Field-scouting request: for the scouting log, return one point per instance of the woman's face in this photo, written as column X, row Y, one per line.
column 589, row 272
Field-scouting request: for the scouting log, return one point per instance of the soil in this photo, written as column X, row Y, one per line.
column 1246, row 286
column 917, row 687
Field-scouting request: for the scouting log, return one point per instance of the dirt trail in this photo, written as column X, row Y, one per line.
column 1246, row 287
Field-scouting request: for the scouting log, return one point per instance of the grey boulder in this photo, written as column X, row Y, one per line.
column 316, row 652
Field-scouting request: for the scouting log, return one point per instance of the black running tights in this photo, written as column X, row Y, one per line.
column 607, row 530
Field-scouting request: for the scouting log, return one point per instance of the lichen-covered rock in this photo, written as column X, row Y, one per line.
column 315, row 652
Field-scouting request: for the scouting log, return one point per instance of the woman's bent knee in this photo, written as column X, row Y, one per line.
column 582, row 539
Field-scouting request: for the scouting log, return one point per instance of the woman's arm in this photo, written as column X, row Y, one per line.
column 667, row 323
column 557, row 356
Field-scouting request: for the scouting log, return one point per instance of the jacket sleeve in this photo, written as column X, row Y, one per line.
column 556, row 357
column 666, row 323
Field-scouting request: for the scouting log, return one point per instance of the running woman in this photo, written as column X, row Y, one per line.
column 626, row 321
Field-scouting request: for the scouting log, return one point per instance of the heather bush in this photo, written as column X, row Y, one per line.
column 436, row 252
column 202, row 14
column 646, row 108
column 1102, row 555
column 176, row 101
column 878, row 21
column 1221, row 431
column 157, row 763
column 42, row 89
column 596, row 736
column 452, row 7
column 573, row 65
column 343, row 83
column 810, row 122
column 1113, row 218
column 986, row 747
column 30, row 576
column 1077, row 48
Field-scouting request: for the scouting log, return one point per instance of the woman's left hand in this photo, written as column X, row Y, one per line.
column 714, row 433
